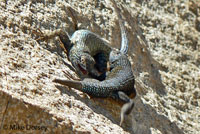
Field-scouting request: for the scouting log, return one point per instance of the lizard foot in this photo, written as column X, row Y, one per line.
column 47, row 34
column 68, row 75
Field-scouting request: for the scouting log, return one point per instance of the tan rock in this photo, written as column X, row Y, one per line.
column 167, row 101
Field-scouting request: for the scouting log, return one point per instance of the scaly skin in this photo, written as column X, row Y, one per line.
column 89, row 44
column 120, row 78
column 87, row 52
column 119, row 82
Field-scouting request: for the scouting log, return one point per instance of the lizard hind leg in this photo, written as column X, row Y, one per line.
column 127, row 107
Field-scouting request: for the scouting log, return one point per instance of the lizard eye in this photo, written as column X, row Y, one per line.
column 83, row 59
column 117, row 53
column 112, row 61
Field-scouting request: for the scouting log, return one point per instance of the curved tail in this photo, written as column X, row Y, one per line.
column 124, row 39
column 127, row 107
column 64, row 37
column 75, row 23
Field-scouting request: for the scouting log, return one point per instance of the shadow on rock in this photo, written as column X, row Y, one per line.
column 145, row 118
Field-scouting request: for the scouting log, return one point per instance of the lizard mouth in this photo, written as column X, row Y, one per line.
column 84, row 71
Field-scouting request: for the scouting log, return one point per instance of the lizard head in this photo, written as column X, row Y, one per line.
column 82, row 64
column 117, row 58
column 114, row 58
column 85, row 65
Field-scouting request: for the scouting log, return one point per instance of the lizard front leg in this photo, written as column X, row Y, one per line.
column 45, row 36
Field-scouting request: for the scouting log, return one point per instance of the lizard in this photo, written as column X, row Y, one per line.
column 119, row 82
column 87, row 52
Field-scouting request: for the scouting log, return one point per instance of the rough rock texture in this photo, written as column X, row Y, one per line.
column 164, row 50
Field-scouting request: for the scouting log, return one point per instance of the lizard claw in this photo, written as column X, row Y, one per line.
column 39, row 33
column 67, row 74
column 42, row 35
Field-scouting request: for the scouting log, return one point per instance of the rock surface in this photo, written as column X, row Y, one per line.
column 164, row 50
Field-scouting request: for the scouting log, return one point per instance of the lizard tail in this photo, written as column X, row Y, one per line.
column 127, row 107
column 124, row 39
column 65, row 37
column 75, row 23
column 69, row 83
column 65, row 40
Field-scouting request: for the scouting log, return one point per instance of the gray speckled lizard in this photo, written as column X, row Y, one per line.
column 119, row 82
column 87, row 52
